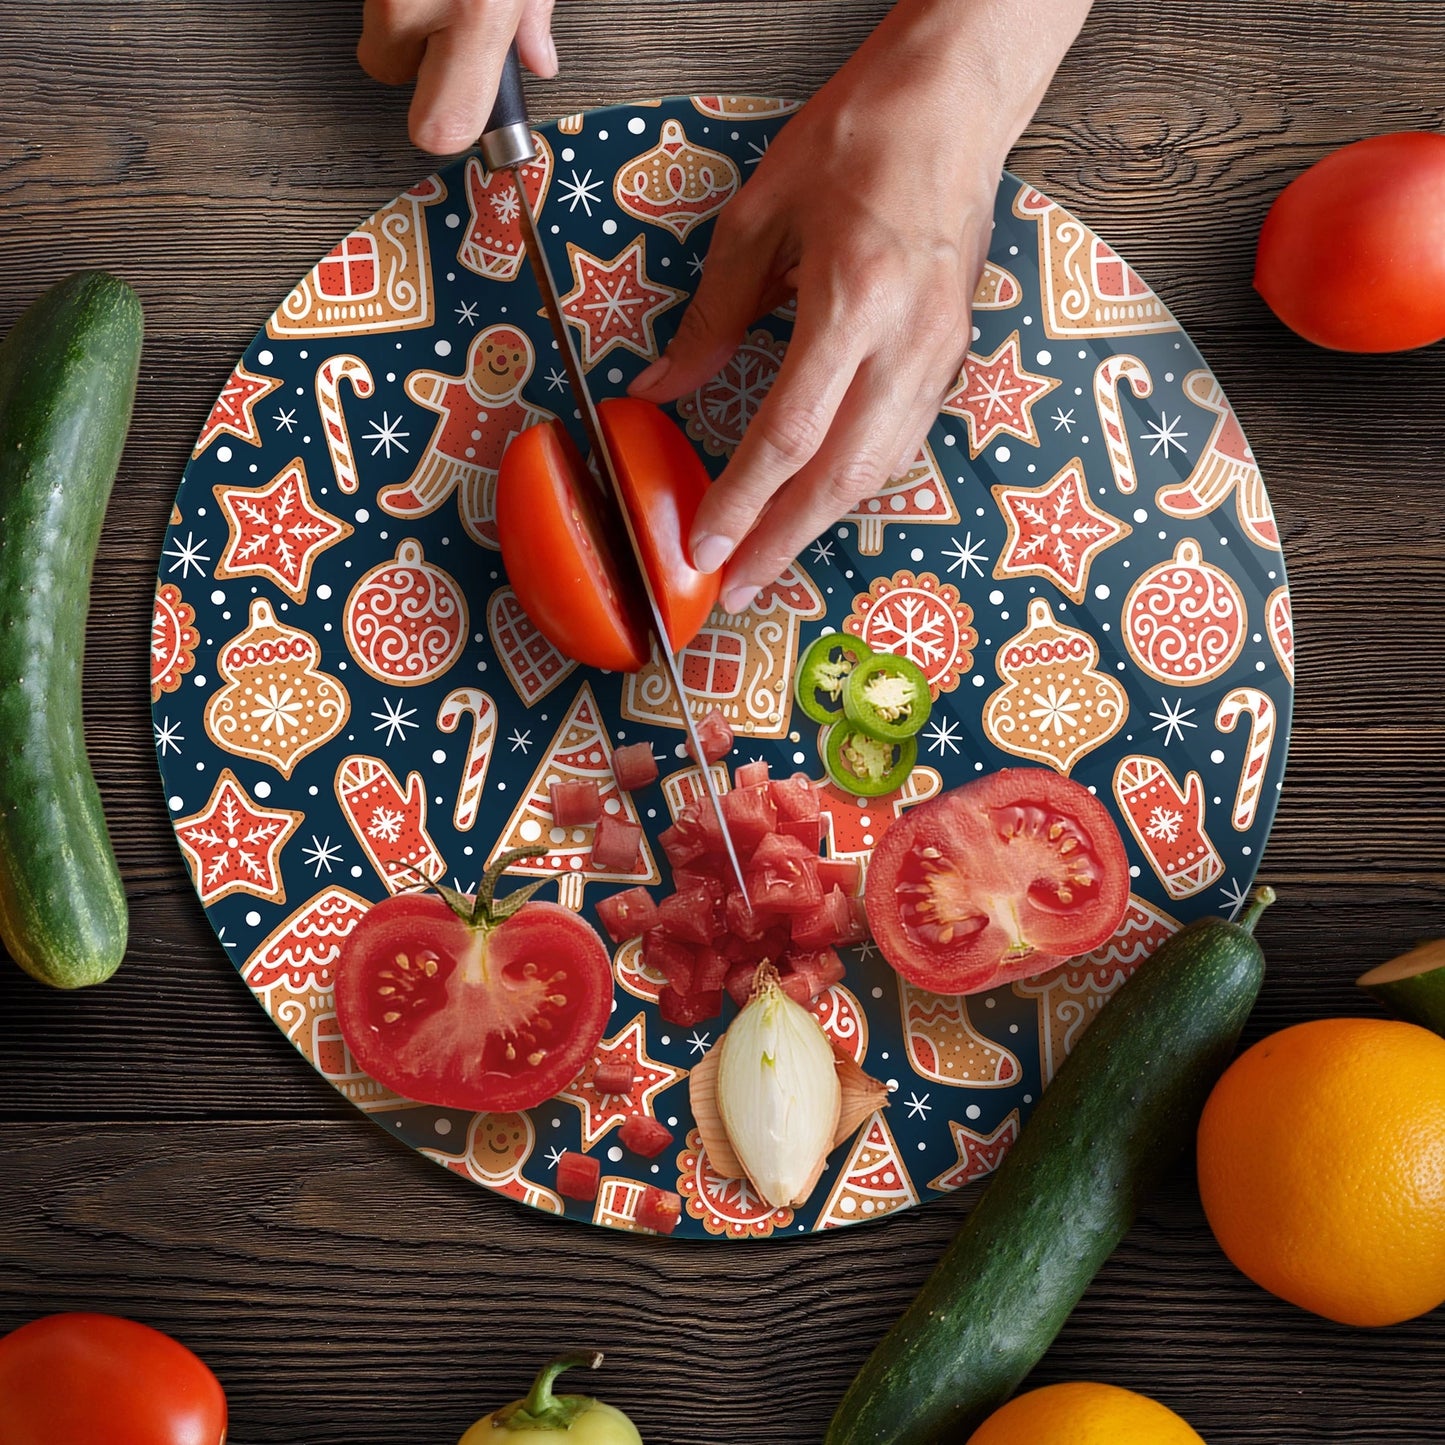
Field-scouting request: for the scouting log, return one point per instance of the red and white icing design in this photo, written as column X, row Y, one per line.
column 677, row 184
column 478, row 413
column 741, row 663
column 945, row 1047
column 1184, row 620
column 173, row 640
column 329, row 376
column 1055, row 531
column 473, row 703
column 918, row 617
column 615, row 303
column 601, row 1113
column 493, row 246
column 301, row 951
column 996, row 395
column 1071, row 995
column 998, row 289
column 389, row 822
column 234, row 414
column 1055, row 706
column 920, row 497
column 1108, row 375
column 852, row 826
column 680, row 790
column 873, row 1182
column 840, row 1015
column 1279, row 623
column 718, row 412
column 233, row 845
column 532, row 664
column 1259, row 708
column 580, row 748
column 406, row 620
column 496, row 1148
column 978, row 1154
column 277, row 706
column 1167, row 822
column 277, row 531
column 1225, row 467
column 728, row 1207
column 633, row 975
column 742, row 107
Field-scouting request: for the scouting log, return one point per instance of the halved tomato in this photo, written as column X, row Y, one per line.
column 999, row 879
column 561, row 548
column 472, row 1015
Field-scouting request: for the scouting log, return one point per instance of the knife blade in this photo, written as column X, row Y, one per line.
column 507, row 144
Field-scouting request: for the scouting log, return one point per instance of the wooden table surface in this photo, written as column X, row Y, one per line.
column 164, row 1153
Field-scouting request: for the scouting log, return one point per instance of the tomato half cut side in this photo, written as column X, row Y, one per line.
column 464, row 1016
column 999, row 879
column 560, row 555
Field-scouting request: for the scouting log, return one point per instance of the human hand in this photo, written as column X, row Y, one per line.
column 454, row 50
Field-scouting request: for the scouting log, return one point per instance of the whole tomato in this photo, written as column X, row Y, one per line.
column 1352, row 253
column 82, row 1379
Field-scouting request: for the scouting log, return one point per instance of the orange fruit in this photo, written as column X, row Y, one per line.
column 1322, row 1168
column 1083, row 1414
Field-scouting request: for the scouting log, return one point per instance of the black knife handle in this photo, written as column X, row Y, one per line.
column 507, row 139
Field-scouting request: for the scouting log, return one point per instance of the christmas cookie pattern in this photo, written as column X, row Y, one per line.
column 389, row 822
column 493, row 246
column 1279, row 621
column 1108, row 376
column 406, row 620
column 978, row 1154
column 471, row 703
column 1184, row 620
column 277, row 706
column 234, row 414
column 727, row 1206
column 873, row 1181
column 718, row 412
column 998, row 289
column 1259, row 708
column 1054, row 707
column 173, row 640
column 496, row 1149
column 233, row 845
column 601, row 1113
column 532, row 664
column 615, row 303
column 1167, row 822
column 944, row 1046
column 329, row 376
column 743, row 107
column 920, row 618
column 677, row 185
column 996, row 395
column 920, row 497
column 852, row 826
column 840, row 1015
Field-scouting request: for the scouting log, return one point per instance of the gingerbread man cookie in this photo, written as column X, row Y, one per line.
column 1184, row 620
column 406, row 620
column 497, row 1146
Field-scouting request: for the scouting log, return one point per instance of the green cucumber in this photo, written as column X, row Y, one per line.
column 1412, row 986
column 1120, row 1110
column 67, row 380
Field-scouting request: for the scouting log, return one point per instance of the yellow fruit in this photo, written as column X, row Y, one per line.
column 1322, row 1168
column 1084, row 1414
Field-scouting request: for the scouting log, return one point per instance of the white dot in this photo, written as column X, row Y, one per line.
column 877, row 992
column 917, row 554
column 1002, row 454
column 223, row 454
column 324, row 591
column 1246, row 851
column 601, row 135
column 264, row 358
column 356, row 870
column 1044, row 357
column 1217, row 756
column 569, row 154
column 614, row 375
column 362, row 515
column 1259, row 666
column 800, row 757
column 530, row 830
column 177, row 803
column 443, row 1126
column 972, row 1112
column 615, row 1154
column 1168, row 376
column 1102, row 592
column 978, row 679
column 443, row 347
column 218, row 597
column 1134, row 870
column 609, row 227
column 995, row 597
column 637, row 125
column 1163, row 536
column 439, row 755
column 453, row 220
column 1140, row 514
column 976, row 333
column 253, row 918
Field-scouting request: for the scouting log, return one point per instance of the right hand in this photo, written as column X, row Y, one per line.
column 454, row 50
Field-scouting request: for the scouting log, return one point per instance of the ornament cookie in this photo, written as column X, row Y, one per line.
column 389, row 822
column 677, row 185
column 277, row 706
column 233, row 845
column 173, row 640
column 1055, row 707
column 406, row 620
column 1167, row 822
column 1184, row 620
column 920, row 618
column 944, row 1046
column 978, row 1154
column 872, row 1183
column 493, row 246
column 532, row 664
column 615, row 303
column 995, row 396
column 727, row 1206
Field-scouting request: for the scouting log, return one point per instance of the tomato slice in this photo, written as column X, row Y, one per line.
column 561, row 544
column 472, row 1016
column 999, row 879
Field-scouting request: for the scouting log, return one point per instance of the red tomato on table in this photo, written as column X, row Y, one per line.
column 561, row 546
column 80, row 1379
column 999, row 879
column 482, row 1015
column 1352, row 254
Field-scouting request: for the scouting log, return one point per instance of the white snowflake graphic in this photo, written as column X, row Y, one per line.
column 735, row 1193
column 385, row 824
column 1235, row 898
column 168, row 737
column 579, row 192
column 188, row 554
column 1055, row 709
column 520, row 740
column 699, row 1042
column 695, row 264
column 467, row 313
column 866, row 950
column 387, row 433
column 759, row 150
column 321, row 854
column 943, row 734
column 1165, row 824
column 822, row 551
column 396, row 719
column 1162, row 434
column 276, row 711
column 965, row 555
column 911, row 625
column 917, row 1107
column 285, row 420
column 556, row 379
column 616, row 307
column 506, row 205
column 1064, row 420
column 1173, row 720
column 554, row 1156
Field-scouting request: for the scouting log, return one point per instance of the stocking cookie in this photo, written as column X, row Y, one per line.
column 1184, row 620
column 943, row 1045
column 676, row 184
column 406, row 620
column 1167, row 822
column 1055, row 706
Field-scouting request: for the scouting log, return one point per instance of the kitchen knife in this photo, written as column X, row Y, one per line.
column 507, row 144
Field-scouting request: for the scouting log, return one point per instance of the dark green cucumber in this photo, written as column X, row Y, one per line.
column 1120, row 1110
column 67, row 380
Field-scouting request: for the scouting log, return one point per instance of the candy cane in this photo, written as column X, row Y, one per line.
column 1107, row 376
column 329, row 376
column 460, row 703
column 1260, row 708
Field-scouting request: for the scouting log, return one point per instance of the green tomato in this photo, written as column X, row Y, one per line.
column 544, row 1417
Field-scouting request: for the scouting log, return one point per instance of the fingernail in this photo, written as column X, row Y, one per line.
column 711, row 552
column 648, row 379
column 738, row 599
column 552, row 55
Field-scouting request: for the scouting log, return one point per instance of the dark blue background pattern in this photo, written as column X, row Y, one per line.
column 581, row 208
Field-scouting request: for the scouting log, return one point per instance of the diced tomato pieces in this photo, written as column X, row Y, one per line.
column 808, row 831
column 742, row 920
column 578, row 1175
column 625, row 915
column 686, row 1009
column 750, row 817
column 659, row 1209
column 715, row 735
column 783, row 874
column 860, row 916
column 634, row 766
column 751, row 775
column 844, row 873
column 739, row 982
column 698, row 876
column 829, row 923
column 689, row 916
column 822, row 969
column 797, row 987
column 575, row 802
column 795, row 797
column 616, row 845
column 648, row 1137
column 613, row 1076
column 710, row 971
column 665, row 955
column 681, row 845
